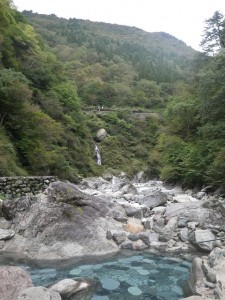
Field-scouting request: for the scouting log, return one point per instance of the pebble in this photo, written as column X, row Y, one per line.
column 134, row 290
column 75, row 272
column 110, row 284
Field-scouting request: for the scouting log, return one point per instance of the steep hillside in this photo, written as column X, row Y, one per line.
column 32, row 139
column 113, row 64
column 62, row 80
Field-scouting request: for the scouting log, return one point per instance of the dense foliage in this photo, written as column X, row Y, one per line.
column 192, row 148
column 61, row 80
column 114, row 65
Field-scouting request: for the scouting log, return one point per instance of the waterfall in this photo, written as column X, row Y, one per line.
column 98, row 155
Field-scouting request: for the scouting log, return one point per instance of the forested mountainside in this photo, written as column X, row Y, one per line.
column 115, row 65
column 163, row 102
column 154, row 56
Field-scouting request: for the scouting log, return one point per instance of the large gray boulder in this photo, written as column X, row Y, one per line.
column 168, row 230
column 6, row 234
column 134, row 211
column 119, row 237
column 194, row 212
column 183, row 234
column 118, row 183
column 62, row 223
column 153, row 199
column 12, row 281
column 129, row 189
column 11, row 207
column 149, row 237
column 206, row 277
column 101, row 134
column 70, row 289
column 196, row 281
column 38, row 293
column 216, row 260
column 203, row 239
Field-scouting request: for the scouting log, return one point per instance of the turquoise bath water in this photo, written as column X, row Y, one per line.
column 139, row 276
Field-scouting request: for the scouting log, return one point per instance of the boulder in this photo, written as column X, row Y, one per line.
column 133, row 226
column 23, row 203
column 74, row 289
column 209, row 272
column 183, row 198
column 153, row 199
column 159, row 223
column 101, row 134
column 6, row 234
column 129, row 189
column 194, row 212
column 127, row 245
column 5, row 224
column 117, row 212
column 167, row 232
column 134, row 211
column 182, row 222
column 148, row 238
column 192, row 225
column 38, row 293
column 9, row 209
column 12, row 281
column 63, row 222
column 196, row 278
column 118, row 183
column 217, row 262
column 203, row 239
column 119, row 237
column 207, row 275
column 183, row 234
column 133, row 237
column 160, row 210
column 139, row 245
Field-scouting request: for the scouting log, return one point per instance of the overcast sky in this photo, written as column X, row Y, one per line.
column 182, row 18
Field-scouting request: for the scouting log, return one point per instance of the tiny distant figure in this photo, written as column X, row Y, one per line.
column 98, row 108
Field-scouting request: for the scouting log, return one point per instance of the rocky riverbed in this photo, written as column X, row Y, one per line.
column 100, row 216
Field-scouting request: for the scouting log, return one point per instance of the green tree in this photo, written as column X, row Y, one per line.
column 14, row 92
column 147, row 93
column 214, row 34
column 181, row 115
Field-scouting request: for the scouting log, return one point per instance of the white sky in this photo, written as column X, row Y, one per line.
column 182, row 18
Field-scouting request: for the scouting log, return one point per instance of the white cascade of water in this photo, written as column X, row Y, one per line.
column 98, row 155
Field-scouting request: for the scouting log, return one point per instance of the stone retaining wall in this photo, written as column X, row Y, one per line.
column 20, row 186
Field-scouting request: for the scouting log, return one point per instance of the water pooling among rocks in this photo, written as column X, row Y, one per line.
column 138, row 276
